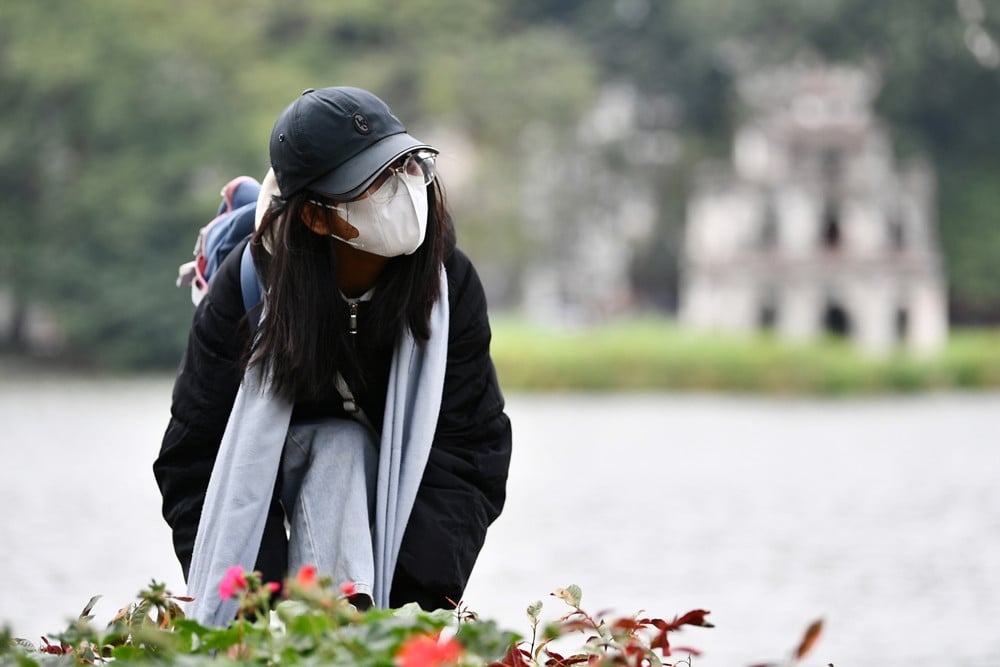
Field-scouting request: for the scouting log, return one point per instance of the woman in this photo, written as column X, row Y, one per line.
column 354, row 420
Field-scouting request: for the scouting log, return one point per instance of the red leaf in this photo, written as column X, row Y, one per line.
column 661, row 642
column 693, row 617
column 657, row 623
column 515, row 657
column 557, row 660
column 572, row 625
column 61, row 648
column 554, row 659
column 809, row 639
column 628, row 624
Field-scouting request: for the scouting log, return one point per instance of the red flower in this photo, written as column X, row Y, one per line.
column 348, row 588
column 306, row 576
column 232, row 581
column 428, row 651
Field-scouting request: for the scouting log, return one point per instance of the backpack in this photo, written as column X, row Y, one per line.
column 233, row 222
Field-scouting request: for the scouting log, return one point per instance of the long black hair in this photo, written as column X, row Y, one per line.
column 302, row 340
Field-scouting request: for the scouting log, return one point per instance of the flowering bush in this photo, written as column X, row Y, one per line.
column 314, row 623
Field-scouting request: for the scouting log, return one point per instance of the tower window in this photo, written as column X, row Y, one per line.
column 902, row 323
column 832, row 165
column 836, row 321
column 831, row 226
column 769, row 226
column 897, row 234
column 768, row 317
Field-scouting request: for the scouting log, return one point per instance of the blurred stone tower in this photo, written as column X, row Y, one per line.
column 814, row 228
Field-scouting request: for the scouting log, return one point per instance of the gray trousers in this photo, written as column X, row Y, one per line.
column 328, row 478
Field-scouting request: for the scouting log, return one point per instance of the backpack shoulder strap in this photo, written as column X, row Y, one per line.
column 250, row 286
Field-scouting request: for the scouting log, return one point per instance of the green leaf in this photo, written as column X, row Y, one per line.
column 129, row 652
column 90, row 605
column 138, row 616
column 221, row 638
column 533, row 610
column 571, row 595
column 310, row 625
column 23, row 643
column 486, row 640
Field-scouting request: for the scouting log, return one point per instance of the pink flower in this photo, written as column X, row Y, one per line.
column 348, row 588
column 232, row 581
column 428, row 651
column 273, row 586
column 306, row 576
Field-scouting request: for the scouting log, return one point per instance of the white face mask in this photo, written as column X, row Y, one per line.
column 391, row 221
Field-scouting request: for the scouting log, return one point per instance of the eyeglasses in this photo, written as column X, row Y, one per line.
column 417, row 163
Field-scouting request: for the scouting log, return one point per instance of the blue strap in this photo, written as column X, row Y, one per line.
column 250, row 286
column 225, row 233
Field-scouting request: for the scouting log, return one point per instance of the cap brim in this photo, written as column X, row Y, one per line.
column 353, row 177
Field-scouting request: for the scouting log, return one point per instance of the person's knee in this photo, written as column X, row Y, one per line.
column 343, row 443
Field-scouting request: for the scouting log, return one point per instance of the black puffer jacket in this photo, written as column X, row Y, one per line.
column 464, row 484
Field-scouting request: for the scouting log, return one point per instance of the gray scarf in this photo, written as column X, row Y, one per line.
column 242, row 481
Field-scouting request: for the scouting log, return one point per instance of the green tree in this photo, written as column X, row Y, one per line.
column 124, row 118
column 109, row 131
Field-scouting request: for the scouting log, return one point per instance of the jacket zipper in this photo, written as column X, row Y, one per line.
column 353, row 325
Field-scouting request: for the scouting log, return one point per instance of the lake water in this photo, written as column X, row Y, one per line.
column 880, row 516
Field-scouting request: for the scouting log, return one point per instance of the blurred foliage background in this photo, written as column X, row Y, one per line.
column 123, row 118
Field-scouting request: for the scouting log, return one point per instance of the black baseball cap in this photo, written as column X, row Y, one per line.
column 336, row 141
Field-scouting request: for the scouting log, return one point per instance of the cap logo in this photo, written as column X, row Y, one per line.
column 361, row 124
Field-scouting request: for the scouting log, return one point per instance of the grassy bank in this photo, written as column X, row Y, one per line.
column 657, row 355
